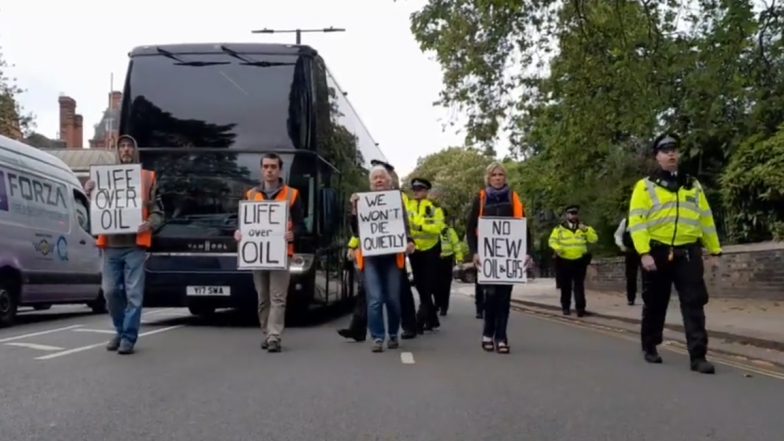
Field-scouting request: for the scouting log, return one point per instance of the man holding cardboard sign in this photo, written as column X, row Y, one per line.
column 124, row 211
column 266, row 239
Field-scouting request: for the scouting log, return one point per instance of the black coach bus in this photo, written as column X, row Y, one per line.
column 203, row 115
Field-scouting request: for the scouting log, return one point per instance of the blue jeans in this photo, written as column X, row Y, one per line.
column 123, row 288
column 382, row 287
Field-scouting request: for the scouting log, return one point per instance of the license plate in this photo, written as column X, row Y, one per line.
column 208, row 291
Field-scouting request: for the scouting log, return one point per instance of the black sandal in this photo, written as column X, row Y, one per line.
column 502, row 347
column 488, row 346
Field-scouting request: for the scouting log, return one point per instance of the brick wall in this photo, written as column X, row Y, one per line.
column 746, row 271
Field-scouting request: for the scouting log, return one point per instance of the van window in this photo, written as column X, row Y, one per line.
column 81, row 211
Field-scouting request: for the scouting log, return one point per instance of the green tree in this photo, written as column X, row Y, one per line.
column 581, row 87
column 753, row 186
column 13, row 121
column 457, row 174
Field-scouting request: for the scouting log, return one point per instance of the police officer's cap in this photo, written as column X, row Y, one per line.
column 386, row 165
column 421, row 183
column 665, row 140
column 573, row 207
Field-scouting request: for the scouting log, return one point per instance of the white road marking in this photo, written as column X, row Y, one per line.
column 160, row 330
column 36, row 346
column 97, row 331
column 407, row 357
column 35, row 334
column 155, row 311
column 87, row 348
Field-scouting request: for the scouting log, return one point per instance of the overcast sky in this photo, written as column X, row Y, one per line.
column 390, row 81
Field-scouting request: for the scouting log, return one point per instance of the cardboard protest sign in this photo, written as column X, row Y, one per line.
column 382, row 229
column 502, row 251
column 116, row 200
column 263, row 226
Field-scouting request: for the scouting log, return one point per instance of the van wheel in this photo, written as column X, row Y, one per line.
column 42, row 307
column 8, row 303
column 99, row 304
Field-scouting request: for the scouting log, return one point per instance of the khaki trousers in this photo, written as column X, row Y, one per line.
column 272, row 288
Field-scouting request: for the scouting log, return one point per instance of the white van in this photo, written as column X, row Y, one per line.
column 47, row 255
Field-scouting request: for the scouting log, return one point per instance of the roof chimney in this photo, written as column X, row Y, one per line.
column 77, row 132
column 67, row 116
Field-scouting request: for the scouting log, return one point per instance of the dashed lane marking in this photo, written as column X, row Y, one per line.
column 407, row 358
column 35, row 346
column 35, row 334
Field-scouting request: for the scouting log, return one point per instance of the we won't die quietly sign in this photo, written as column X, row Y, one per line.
column 382, row 228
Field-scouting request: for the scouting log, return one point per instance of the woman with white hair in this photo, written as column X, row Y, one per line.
column 495, row 200
column 382, row 274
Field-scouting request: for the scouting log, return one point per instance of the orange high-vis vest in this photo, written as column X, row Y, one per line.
column 360, row 259
column 518, row 211
column 143, row 240
column 286, row 194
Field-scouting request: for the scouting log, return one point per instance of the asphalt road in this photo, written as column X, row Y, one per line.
column 208, row 380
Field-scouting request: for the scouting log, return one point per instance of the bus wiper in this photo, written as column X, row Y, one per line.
column 250, row 62
column 181, row 62
column 235, row 54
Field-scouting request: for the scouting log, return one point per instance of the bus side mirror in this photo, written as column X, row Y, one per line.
column 329, row 212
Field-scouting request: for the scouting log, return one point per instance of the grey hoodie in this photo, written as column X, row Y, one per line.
column 153, row 205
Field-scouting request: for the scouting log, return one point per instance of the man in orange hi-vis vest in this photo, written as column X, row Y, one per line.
column 124, row 255
column 272, row 286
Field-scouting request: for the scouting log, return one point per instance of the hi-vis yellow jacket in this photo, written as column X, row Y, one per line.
column 673, row 218
column 571, row 244
column 426, row 220
column 450, row 244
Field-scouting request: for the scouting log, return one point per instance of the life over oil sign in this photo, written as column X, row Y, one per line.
column 263, row 226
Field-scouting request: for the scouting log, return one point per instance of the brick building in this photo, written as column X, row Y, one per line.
column 106, row 131
column 71, row 123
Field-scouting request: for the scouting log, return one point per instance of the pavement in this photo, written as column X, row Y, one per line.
column 206, row 379
column 744, row 327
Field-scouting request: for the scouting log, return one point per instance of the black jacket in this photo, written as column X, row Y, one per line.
column 504, row 209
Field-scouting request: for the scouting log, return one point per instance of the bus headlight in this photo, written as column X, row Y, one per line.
column 300, row 263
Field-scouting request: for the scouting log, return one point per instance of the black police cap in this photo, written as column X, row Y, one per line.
column 572, row 207
column 421, row 182
column 386, row 165
column 665, row 140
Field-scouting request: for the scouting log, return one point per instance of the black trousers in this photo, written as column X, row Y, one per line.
column 444, row 282
column 571, row 275
column 685, row 271
column 498, row 300
column 632, row 260
column 424, row 264
column 358, row 323
column 479, row 297
column 407, row 307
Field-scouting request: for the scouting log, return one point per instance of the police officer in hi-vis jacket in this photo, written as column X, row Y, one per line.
column 671, row 221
